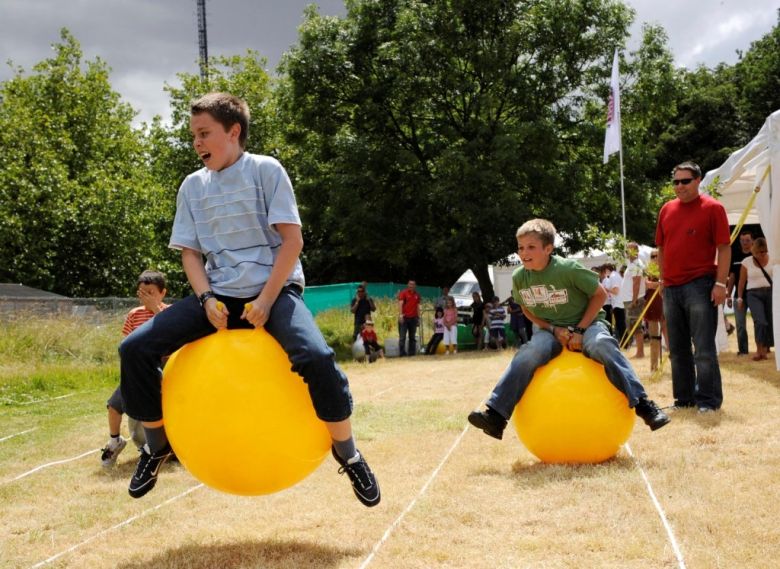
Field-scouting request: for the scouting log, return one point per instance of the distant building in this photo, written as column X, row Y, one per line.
column 17, row 300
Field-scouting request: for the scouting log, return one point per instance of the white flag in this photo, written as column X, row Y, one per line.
column 612, row 138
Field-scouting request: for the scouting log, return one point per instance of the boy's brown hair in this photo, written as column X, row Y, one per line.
column 542, row 228
column 226, row 109
column 155, row 278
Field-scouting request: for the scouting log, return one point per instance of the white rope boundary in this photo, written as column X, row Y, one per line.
column 367, row 561
column 659, row 509
column 18, row 434
column 34, row 401
column 48, row 464
column 115, row 527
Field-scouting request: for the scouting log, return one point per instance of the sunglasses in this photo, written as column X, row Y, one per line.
column 683, row 181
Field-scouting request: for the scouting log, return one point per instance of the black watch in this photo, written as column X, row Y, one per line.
column 205, row 296
column 576, row 330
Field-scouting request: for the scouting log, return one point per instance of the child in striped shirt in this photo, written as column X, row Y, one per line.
column 151, row 292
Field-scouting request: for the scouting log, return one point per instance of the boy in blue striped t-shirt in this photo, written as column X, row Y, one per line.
column 239, row 212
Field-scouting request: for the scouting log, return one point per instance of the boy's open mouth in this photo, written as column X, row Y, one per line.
column 205, row 156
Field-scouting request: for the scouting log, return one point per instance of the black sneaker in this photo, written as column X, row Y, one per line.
column 364, row 483
column 145, row 476
column 489, row 421
column 651, row 414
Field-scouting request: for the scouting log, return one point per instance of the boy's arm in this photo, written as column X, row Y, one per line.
column 289, row 251
column 561, row 334
column 594, row 307
column 192, row 263
column 574, row 340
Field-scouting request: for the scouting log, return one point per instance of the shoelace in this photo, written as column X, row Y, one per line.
column 143, row 464
column 355, row 474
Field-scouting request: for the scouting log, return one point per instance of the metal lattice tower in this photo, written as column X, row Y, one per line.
column 203, row 41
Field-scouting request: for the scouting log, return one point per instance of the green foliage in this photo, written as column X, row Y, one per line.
column 758, row 78
column 455, row 116
column 57, row 340
column 336, row 326
column 419, row 135
column 77, row 209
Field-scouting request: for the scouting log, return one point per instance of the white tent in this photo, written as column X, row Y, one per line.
column 756, row 167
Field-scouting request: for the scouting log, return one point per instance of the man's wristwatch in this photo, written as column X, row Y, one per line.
column 720, row 284
column 576, row 330
column 205, row 296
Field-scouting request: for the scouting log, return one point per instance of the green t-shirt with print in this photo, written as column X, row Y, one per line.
column 558, row 294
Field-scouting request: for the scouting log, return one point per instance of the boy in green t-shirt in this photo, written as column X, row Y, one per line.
column 563, row 299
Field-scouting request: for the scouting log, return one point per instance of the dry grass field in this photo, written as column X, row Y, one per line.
column 699, row 493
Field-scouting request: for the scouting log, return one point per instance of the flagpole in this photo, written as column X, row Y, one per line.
column 622, row 191
column 613, row 137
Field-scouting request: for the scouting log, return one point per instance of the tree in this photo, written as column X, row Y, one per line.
column 76, row 208
column 427, row 131
column 758, row 77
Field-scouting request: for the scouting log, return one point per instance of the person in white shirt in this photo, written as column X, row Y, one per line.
column 632, row 293
column 612, row 282
column 755, row 286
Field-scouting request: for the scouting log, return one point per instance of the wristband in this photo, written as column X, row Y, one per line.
column 576, row 330
column 205, row 296
column 739, row 300
column 720, row 284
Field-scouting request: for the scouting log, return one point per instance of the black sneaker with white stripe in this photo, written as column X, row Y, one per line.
column 145, row 476
column 364, row 482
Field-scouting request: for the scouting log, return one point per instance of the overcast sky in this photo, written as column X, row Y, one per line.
column 147, row 42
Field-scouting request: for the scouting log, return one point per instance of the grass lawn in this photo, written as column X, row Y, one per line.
column 699, row 493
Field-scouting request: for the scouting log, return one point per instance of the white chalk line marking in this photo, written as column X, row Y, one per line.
column 46, row 400
column 18, row 434
column 383, row 392
column 412, row 504
column 47, row 465
column 115, row 527
column 659, row 509
column 34, row 401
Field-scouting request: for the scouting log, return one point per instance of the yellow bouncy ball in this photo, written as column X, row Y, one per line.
column 237, row 417
column 571, row 413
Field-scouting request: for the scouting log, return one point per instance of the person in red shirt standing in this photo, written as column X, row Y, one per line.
column 408, row 318
column 692, row 233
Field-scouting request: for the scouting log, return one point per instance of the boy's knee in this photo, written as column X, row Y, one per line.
column 128, row 347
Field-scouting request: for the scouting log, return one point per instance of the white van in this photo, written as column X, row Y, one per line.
column 466, row 285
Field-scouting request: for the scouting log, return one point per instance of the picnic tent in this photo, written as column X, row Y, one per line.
column 755, row 168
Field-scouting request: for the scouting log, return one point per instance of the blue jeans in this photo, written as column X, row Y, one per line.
column 290, row 322
column 597, row 344
column 759, row 300
column 408, row 325
column 691, row 317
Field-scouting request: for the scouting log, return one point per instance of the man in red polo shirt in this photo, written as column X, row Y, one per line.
column 691, row 229
column 408, row 318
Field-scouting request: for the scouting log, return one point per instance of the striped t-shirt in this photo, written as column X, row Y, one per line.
column 497, row 317
column 229, row 216
column 136, row 317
